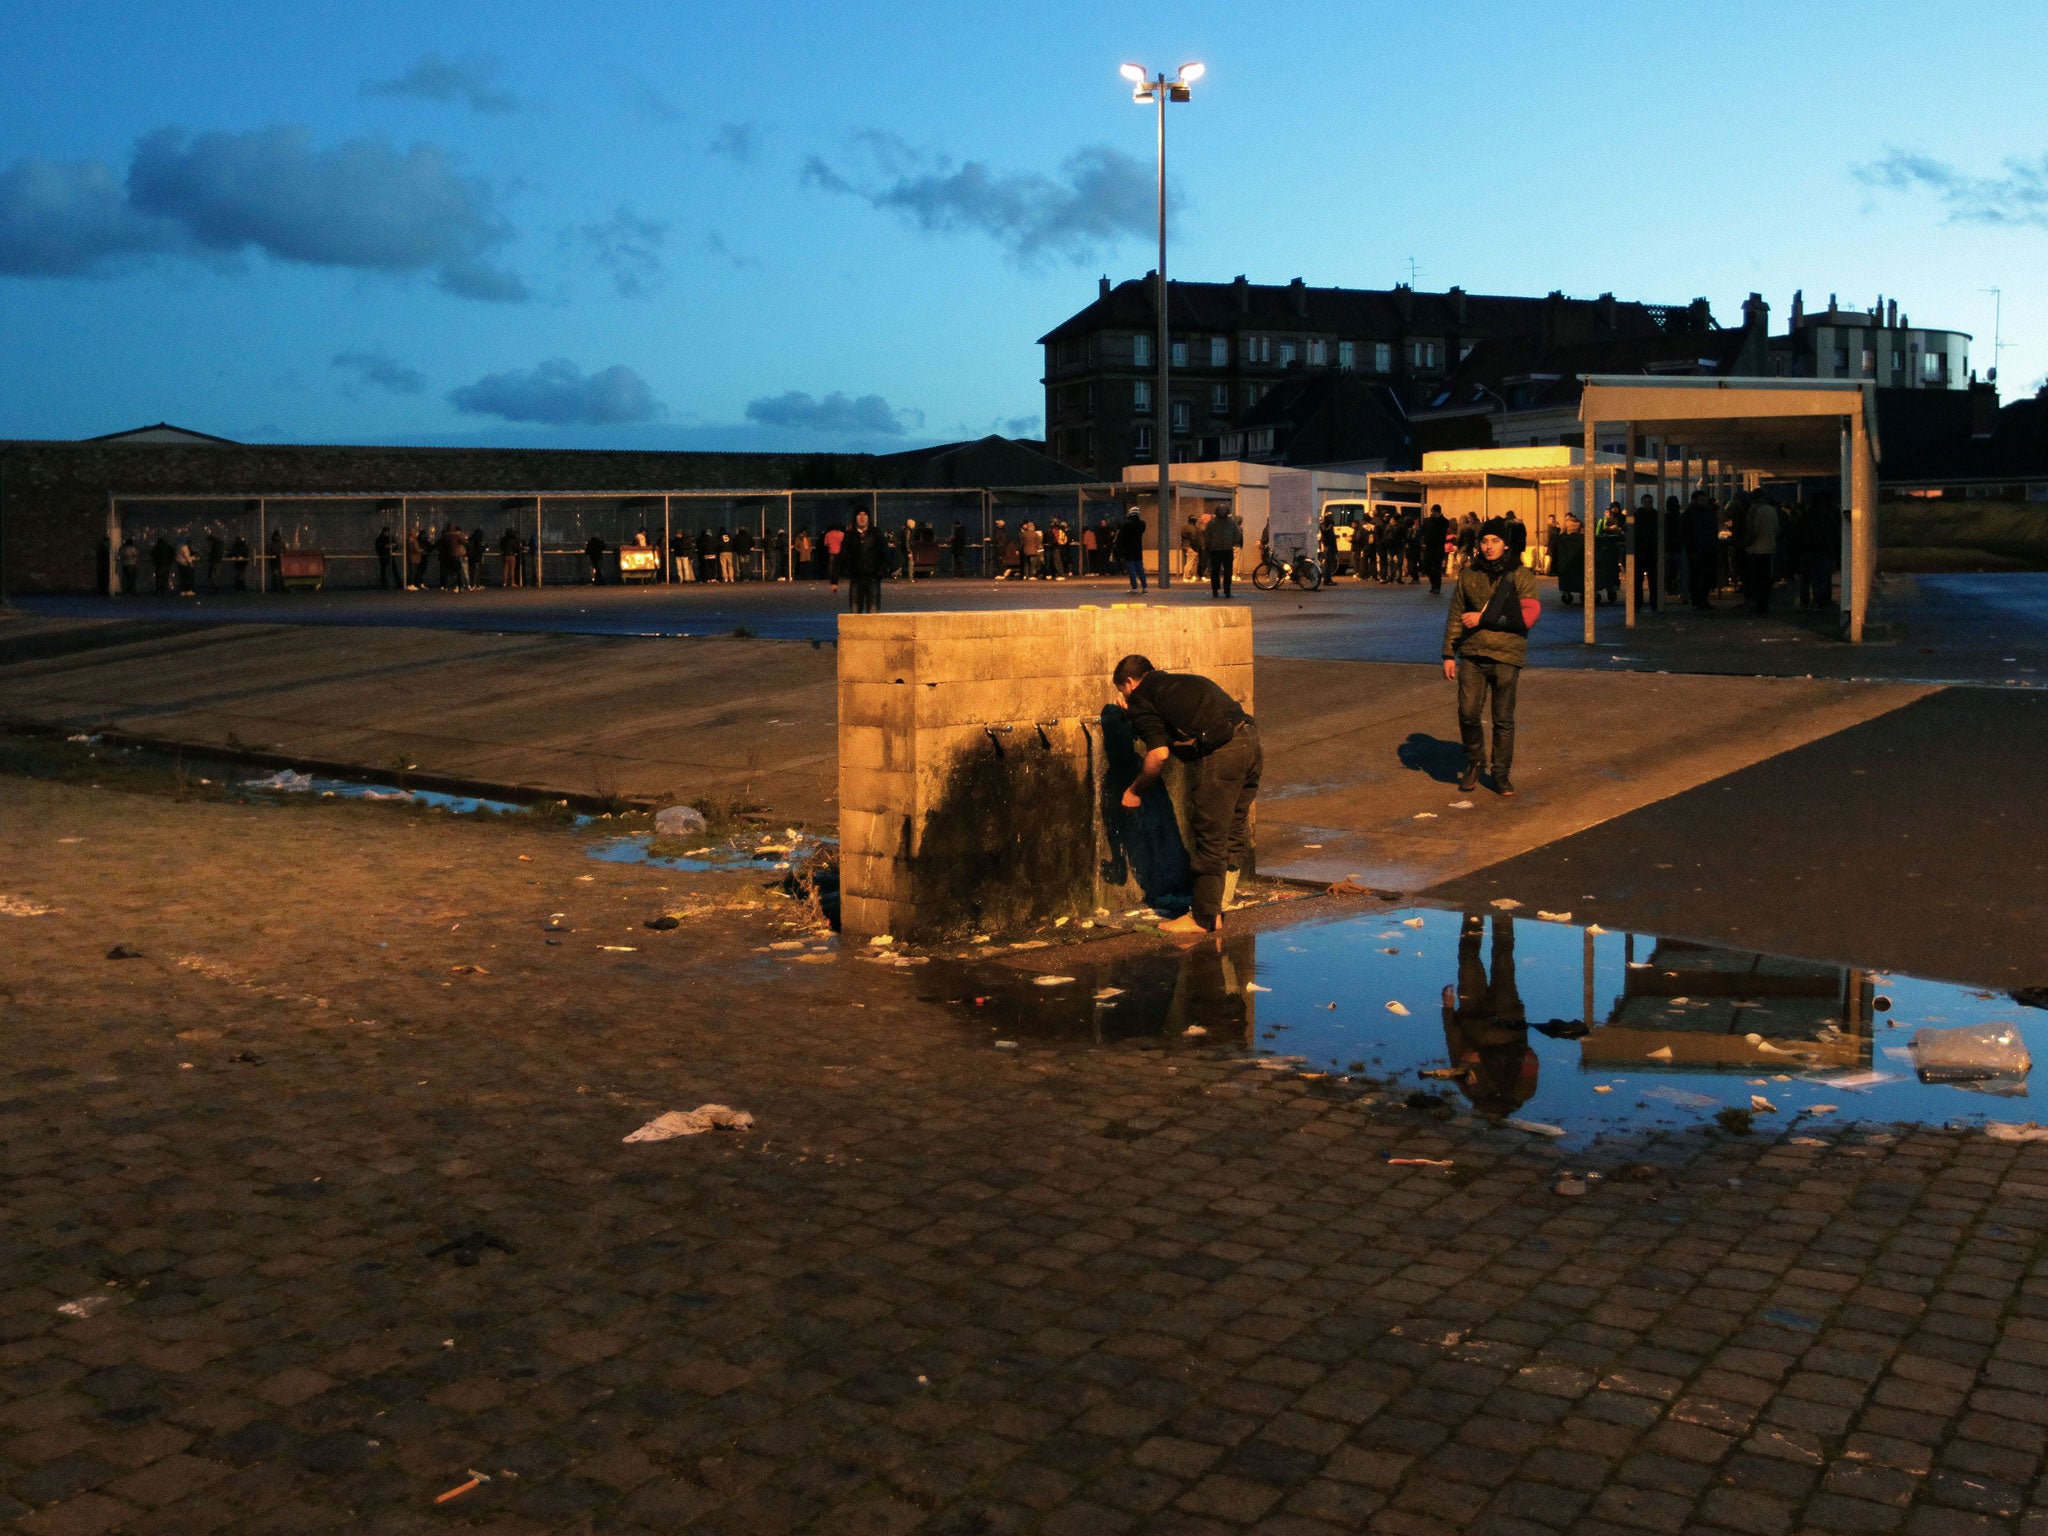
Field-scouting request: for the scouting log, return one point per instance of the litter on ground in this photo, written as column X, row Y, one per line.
column 694, row 1122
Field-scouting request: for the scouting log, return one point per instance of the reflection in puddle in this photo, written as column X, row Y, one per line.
column 287, row 782
column 1549, row 1022
column 724, row 855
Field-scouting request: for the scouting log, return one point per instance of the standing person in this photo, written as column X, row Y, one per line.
column 1091, row 549
column 508, row 557
column 828, row 550
column 1702, row 549
column 1184, row 715
column 908, row 540
column 185, row 579
column 1819, row 538
column 473, row 548
column 1436, row 533
column 726, row 551
column 388, row 574
column 1032, row 545
column 743, row 553
column 415, row 558
column 1224, row 538
column 806, row 547
column 216, row 552
column 1518, row 538
column 238, row 562
column 1326, row 541
column 454, row 554
column 778, row 548
column 129, row 558
column 593, row 551
column 1056, row 557
column 1642, row 534
column 864, row 560
column 1191, row 547
column 1486, row 644
column 1760, row 554
column 958, row 545
column 160, row 557
column 1130, row 549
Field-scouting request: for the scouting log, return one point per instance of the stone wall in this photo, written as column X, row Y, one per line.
column 981, row 758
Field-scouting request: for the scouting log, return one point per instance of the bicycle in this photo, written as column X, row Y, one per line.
column 1304, row 572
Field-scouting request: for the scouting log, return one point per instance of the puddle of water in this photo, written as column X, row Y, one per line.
column 1594, row 1032
column 286, row 782
column 723, row 855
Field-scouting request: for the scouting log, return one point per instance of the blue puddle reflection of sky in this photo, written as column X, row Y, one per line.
column 715, row 855
column 1677, row 1031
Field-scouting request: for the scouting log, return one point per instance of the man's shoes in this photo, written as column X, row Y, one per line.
column 1469, row 782
column 1503, row 785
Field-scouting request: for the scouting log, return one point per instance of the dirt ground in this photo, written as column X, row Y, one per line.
column 938, row 1286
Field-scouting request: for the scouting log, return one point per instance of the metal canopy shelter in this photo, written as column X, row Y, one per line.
column 1750, row 429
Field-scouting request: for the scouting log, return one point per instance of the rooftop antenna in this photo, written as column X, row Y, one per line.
column 1997, row 315
column 1413, row 272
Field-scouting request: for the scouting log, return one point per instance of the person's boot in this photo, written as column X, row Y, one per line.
column 1502, row 784
column 1470, row 780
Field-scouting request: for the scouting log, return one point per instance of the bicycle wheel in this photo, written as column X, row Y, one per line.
column 1266, row 576
column 1307, row 575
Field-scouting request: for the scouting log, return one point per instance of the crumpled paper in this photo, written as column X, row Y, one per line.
column 705, row 1117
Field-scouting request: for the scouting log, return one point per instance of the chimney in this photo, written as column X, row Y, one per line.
column 1892, row 316
column 1983, row 409
column 1457, row 298
column 1699, row 316
column 1102, row 291
column 1831, row 306
column 1297, row 295
column 1404, row 301
column 1604, row 308
column 1798, row 308
column 1242, row 291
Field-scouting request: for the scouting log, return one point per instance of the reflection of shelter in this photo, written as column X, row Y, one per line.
column 1746, row 431
column 1703, row 1004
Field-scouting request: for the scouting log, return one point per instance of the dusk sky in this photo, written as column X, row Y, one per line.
column 788, row 226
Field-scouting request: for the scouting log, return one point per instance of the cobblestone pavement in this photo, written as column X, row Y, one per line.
column 937, row 1287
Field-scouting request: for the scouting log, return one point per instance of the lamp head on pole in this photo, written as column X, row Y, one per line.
column 1190, row 73
column 1135, row 73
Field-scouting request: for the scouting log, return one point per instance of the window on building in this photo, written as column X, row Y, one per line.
column 1258, row 349
column 1183, row 415
column 1141, row 351
column 1286, row 354
column 1383, row 357
column 1934, row 368
column 1141, row 443
column 1347, row 354
column 1179, row 354
column 1465, row 349
column 1841, row 362
column 1219, row 351
column 1869, row 362
column 1219, row 399
column 1318, row 353
column 1252, row 393
column 1425, row 355
column 1141, row 395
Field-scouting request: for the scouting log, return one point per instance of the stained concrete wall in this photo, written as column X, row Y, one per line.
column 981, row 757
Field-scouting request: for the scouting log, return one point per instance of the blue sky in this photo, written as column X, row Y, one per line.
column 790, row 226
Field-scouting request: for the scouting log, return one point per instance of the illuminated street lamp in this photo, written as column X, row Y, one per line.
column 1157, row 90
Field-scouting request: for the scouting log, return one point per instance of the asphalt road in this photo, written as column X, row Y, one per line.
column 1983, row 629
column 1917, row 841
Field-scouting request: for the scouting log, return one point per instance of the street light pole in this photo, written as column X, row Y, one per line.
column 1158, row 90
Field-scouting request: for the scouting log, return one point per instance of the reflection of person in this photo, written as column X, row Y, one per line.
column 1486, row 1032
column 1179, row 714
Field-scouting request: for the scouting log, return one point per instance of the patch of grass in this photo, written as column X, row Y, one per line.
column 1736, row 1122
column 741, row 632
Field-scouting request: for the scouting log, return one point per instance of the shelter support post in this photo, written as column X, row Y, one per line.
column 1845, row 501
column 1657, row 576
column 668, row 573
column 405, row 543
column 113, row 550
column 540, row 555
column 1588, row 591
column 789, row 536
column 1862, row 525
column 262, row 544
column 1628, row 548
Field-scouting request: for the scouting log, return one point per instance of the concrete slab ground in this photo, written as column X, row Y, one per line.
column 1355, row 752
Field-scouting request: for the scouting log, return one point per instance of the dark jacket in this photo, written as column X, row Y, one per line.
column 863, row 557
column 1130, row 538
column 1183, row 711
column 1474, row 588
column 1223, row 534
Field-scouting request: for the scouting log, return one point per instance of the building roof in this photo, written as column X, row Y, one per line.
column 1370, row 311
column 1933, row 435
column 162, row 432
column 1331, row 418
column 1530, row 375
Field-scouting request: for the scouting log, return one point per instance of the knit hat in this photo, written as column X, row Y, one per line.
column 1494, row 527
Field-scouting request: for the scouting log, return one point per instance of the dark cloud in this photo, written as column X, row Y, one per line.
column 434, row 78
column 737, row 142
column 383, row 372
column 72, row 219
column 558, row 393
column 629, row 248
column 715, row 245
column 2020, row 196
column 1099, row 197
column 363, row 205
column 656, row 105
column 836, row 414
column 1019, row 426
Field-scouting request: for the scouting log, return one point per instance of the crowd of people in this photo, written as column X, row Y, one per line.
column 1748, row 545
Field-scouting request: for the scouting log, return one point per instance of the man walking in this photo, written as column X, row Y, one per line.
column 864, row 560
column 1436, row 533
column 1224, row 538
column 1130, row 549
column 1486, row 644
column 1702, row 544
column 1183, row 715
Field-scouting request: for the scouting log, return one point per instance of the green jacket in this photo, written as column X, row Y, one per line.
column 1473, row 589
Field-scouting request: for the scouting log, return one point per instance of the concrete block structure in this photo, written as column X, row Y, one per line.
column 982, row 757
